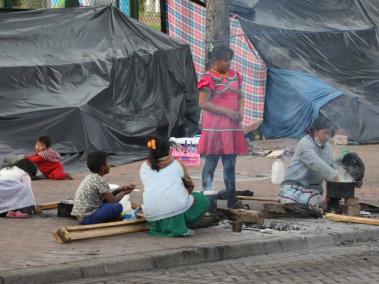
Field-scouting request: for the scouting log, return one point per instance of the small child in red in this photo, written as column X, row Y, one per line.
column 47, row 160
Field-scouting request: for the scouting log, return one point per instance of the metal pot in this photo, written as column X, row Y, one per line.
column 340, row 189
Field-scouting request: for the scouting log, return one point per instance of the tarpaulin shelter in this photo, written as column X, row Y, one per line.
column 336, row 42
column 92, row 79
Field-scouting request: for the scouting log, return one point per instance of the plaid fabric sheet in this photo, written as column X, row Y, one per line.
column 186, row 21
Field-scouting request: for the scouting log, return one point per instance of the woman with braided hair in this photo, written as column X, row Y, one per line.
column 169, row 205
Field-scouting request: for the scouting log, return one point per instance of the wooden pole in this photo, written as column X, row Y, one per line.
column 257, row 199
column 47, row 206
column 217, row 26
column 351, row 219
column 80, row 232
column 243, row 215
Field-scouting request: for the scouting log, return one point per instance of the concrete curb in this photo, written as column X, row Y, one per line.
column 177, row 257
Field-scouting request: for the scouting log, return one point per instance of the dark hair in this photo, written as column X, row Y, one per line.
column 319, row 123
column 95, row 160
column 162, row 149
column 46, row 140
column 28, row 166
column 221, row 52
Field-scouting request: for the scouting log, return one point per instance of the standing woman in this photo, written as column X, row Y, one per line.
column 222, row 136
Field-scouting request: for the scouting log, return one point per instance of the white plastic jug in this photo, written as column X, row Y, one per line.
column 277, row 172
column 126, row 204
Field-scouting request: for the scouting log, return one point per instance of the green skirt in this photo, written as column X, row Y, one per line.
column 177, row 226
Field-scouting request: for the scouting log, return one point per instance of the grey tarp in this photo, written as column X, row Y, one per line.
column 92, row 79
column 333, row 39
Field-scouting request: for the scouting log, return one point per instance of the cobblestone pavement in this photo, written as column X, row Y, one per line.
column 357, row 263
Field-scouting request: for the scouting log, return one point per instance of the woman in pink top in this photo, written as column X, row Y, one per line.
column 222, row 136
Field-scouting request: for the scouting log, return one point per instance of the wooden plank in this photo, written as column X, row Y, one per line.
column 273, row 210
column 257, row 199
column 47, row 206
column 103, row 225
column 80, row 232
column 351, row 219
column 108, row 231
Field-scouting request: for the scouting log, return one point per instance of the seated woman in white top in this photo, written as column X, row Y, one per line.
column 169, row 204
column 16, row 195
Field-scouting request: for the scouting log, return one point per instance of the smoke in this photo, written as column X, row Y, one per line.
column 343, row 174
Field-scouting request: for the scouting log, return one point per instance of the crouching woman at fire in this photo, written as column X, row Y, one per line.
column 309, row 167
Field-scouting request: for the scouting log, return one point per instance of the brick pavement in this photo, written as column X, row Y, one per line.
column 29, row 243
column 358, row 263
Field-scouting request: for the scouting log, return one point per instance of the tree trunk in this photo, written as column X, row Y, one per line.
column 217, row 26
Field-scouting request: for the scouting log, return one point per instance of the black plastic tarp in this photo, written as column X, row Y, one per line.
column 337, row 40
column 92, row 79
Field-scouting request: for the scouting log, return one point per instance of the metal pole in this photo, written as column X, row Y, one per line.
column 134, row 9
column 8, row 4
column 163, row 12
column 71, row 3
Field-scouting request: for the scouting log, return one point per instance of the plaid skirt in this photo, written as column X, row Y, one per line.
column 291, row 193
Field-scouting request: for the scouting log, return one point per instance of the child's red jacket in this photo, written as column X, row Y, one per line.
column 49, row 164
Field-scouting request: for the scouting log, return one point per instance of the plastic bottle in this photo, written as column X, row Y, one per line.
column 277, row 172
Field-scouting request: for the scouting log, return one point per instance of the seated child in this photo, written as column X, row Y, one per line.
column 94, row 202
column 16, row 195
column 47, row 160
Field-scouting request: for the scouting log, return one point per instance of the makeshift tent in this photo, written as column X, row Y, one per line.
column 337, row 41
column 293, row 100
column 92, row 79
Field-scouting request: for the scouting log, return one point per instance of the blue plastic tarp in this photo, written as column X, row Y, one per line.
column 336, row 40
column 293, row 100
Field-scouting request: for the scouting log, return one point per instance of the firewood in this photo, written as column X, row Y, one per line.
column 243, row 215
column 351, row 219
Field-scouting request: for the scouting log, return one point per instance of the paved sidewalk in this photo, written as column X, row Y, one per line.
column 29, row 252
column 357, row 263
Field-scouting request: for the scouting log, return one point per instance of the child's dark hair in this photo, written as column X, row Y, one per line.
column 159, row 147
column 46, row 140
column 95, row 160
column 221, row 52
column 28, row 166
